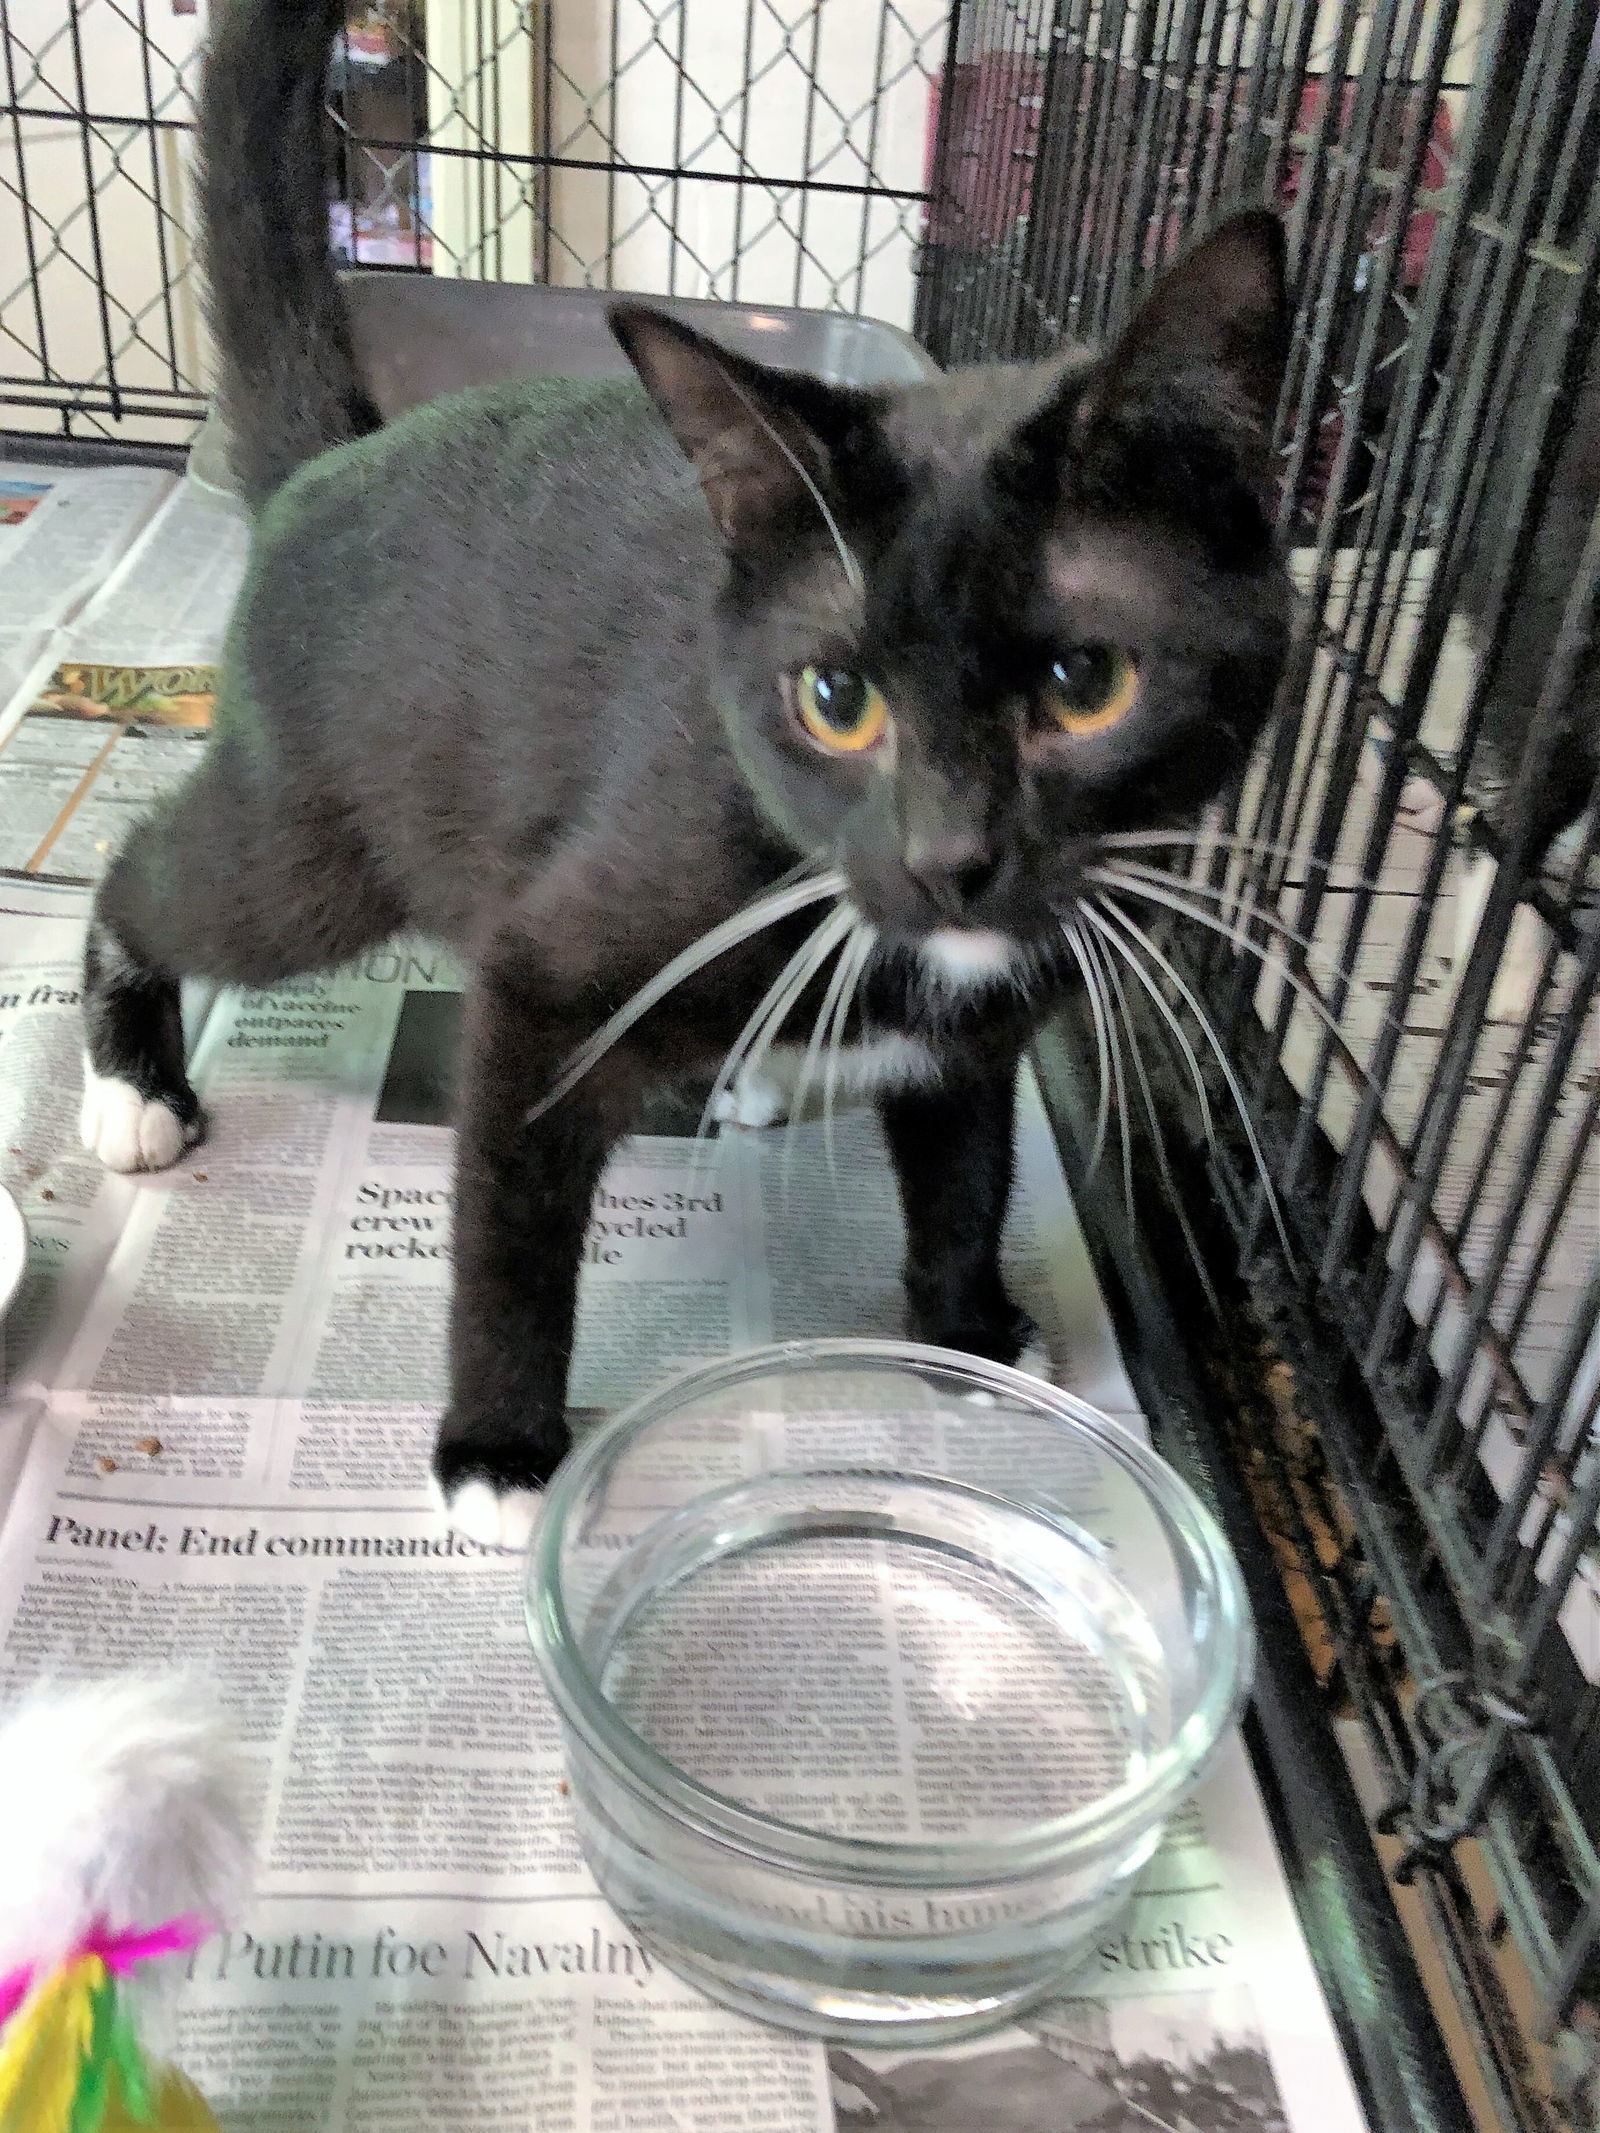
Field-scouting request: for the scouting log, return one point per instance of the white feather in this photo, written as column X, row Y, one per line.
column 123, row 1803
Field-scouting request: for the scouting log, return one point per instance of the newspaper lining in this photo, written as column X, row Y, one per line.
column 227, row 1393
column 113, row 702
column 62, row 529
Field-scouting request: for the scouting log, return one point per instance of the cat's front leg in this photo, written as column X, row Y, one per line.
column 522, row 1202
column 952, row 1150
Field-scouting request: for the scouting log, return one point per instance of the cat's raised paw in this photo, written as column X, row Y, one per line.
column 494, row 1518
column 128, row 1131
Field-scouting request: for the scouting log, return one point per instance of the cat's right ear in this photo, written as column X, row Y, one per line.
column 1216, row 325
column 760, row 440
column 1224, row 305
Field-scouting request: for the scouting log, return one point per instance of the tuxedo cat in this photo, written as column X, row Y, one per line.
column 570, row 674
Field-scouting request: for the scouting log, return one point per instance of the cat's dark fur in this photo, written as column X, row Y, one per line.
column 500, row 674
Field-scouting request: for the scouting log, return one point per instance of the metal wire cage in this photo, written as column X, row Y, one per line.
column 1421, row 1063
column 770, row 151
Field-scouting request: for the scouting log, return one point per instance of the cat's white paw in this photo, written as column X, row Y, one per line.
column 494, row 1518
column 128, row 1131
column 1035, row 1361
column 754, row 1100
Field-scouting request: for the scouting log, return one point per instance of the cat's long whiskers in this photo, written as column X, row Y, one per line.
column 1157, row 1138
column 1135, row 879
column 1218, row 840
column 1274, row 962
column 774, row 1007
column 1119, row 1077
column 805, row 865
column 766, row 910
column 1235, row 847
column 857, row 956
column 1073, row 932
column 1186, row 1050
column 837, row 982
column 1103, row 914
column 1123, row 1120
column 769, row 1033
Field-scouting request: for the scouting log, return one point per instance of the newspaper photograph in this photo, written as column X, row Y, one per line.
column 91, row 754
column 1161, row 2064
column 19, row 500
column 111, row 692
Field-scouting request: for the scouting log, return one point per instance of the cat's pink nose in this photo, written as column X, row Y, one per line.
column 953, row 865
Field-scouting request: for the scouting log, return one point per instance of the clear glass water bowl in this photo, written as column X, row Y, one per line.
column 880, row 1671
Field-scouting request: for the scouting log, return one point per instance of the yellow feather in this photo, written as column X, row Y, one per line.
column 44, row 2047
column 179, row 2108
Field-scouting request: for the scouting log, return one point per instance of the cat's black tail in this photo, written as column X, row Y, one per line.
column 287, row 378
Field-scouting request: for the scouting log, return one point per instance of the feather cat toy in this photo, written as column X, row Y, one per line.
column 123, row 1841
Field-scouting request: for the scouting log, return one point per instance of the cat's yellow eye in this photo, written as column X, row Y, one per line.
column 1090, row 689
column 841, row 711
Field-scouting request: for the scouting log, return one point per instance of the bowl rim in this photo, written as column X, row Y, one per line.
column 1191, row 1530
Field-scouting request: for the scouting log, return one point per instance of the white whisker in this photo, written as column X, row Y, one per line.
column 1185, row 1048
column 1119, row 1078
column 1135, row 879
column 766, row 910
column 1157, row 1137
column 1091, row 987
column 1275, row 963
column 1235, row 847
column 852, row 568
column 840, row 978
column 856, row 956
column 1222, row 841
column 775, row 1006
column 1098, row 914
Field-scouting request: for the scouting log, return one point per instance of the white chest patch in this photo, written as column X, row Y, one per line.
column 962, row 956
column 883, row 1062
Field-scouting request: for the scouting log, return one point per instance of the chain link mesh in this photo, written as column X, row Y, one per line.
column 768, row 151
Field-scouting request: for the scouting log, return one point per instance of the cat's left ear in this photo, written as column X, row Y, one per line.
column 1224, row 309
column 760, row 440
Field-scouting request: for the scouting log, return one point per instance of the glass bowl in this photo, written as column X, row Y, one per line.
column 880, row 1670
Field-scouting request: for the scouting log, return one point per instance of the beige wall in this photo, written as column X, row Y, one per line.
column 617, row 232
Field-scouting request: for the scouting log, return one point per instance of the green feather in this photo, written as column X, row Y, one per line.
column 94, row 2077
column 133, row 2072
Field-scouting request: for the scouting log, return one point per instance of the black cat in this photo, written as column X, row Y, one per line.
column 505, row 673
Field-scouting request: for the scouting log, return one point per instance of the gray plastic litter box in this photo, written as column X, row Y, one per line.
column 417, row 336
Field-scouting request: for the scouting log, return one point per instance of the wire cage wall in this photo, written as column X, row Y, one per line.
column 768, row 151
column 1422, row 1062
